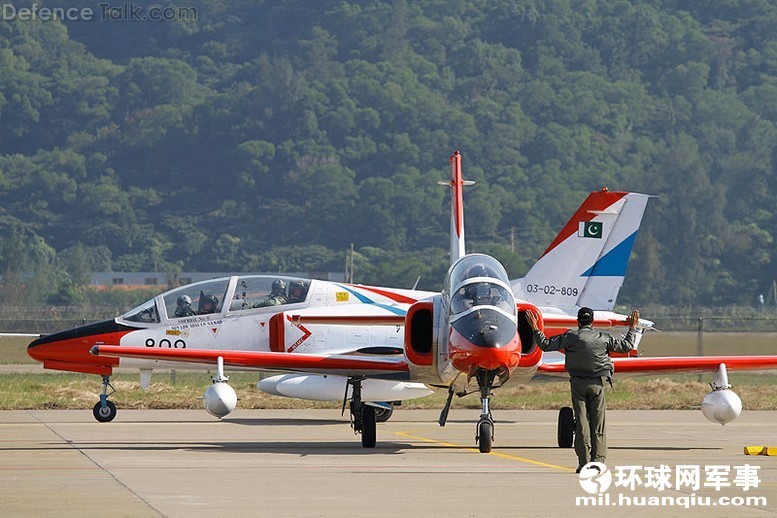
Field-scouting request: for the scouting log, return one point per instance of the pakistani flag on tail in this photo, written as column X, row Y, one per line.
column 591, row 229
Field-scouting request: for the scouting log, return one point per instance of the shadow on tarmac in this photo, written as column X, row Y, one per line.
column 273, row 421
column 286, row 448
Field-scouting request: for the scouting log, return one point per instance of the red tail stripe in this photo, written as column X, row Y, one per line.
column 596, row 201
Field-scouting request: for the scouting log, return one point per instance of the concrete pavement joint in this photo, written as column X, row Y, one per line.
column 102, row 468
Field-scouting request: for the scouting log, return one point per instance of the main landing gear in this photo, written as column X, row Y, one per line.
column 384, row 412
column 566, row 427
column 104, row 411
column 363, row 415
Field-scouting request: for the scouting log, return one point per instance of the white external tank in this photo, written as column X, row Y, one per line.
column 332, row 388
column 219, row 399
column 722, row 405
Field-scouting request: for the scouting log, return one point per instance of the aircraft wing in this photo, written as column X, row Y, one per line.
column 393, row 367
column 669, row 364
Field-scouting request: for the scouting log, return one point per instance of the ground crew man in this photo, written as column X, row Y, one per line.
column 589, row 367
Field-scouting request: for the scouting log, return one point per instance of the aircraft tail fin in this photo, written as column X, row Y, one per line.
column 586, row 263
column 457, row 206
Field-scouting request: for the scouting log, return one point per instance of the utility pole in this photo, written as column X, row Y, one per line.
column 351, row 268
column 700, row 339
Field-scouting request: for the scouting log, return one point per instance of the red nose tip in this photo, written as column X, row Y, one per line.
column 467, row 356
column 69, row 350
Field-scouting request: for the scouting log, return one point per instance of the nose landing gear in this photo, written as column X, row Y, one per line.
column 485, row 433
column 484, row 436
column 104, row 411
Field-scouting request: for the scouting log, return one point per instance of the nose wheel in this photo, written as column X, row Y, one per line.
column 104, row 411
column 484, row 437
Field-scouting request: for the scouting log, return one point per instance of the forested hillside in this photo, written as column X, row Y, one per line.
column 268, row 136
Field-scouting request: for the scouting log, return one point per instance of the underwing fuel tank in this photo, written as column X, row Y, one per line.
column 332, row 388
column 219, row 399
column 722, row 405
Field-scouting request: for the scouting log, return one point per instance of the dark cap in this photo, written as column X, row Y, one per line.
column 585, row 316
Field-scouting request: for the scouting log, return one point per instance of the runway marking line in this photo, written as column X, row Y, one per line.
column 494, row 453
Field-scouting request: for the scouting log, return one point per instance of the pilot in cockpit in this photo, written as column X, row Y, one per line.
column 183, row 307
column 296, row 292
column 479, row 293
column 276, row 297
column 208, row 304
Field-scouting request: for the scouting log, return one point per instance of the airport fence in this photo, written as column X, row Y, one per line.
column 711, row 319
column 48, row 319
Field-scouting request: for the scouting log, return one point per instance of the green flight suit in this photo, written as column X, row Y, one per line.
column 589, row 366
column 274, row 299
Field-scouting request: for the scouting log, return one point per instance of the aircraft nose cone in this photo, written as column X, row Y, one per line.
column 69, row 349
column 486, row 328
column 490, row 336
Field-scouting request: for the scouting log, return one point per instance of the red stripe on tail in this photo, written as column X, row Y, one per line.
column 596, row 201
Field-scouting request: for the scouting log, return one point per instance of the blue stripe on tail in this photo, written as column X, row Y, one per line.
column 614, row 262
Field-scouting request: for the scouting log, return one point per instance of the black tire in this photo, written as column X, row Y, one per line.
column 485, row 434
column 104, row 414
column 566, row 427
column 368, row 426
column 383, row 414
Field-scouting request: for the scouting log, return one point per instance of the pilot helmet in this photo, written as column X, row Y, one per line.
column 278, row 285
column 477, row 270
column 209, row 303
column 297, row 290
column 184, row 300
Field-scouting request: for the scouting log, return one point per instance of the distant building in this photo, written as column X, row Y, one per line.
column 145, row 280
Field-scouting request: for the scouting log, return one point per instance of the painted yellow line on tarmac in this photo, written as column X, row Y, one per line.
column 494, row 453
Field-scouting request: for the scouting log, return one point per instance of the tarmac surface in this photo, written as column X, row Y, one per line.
column 309, row 463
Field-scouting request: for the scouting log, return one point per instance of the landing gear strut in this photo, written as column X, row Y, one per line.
column 485, row 430
column 363, row 419
column 104, row 411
